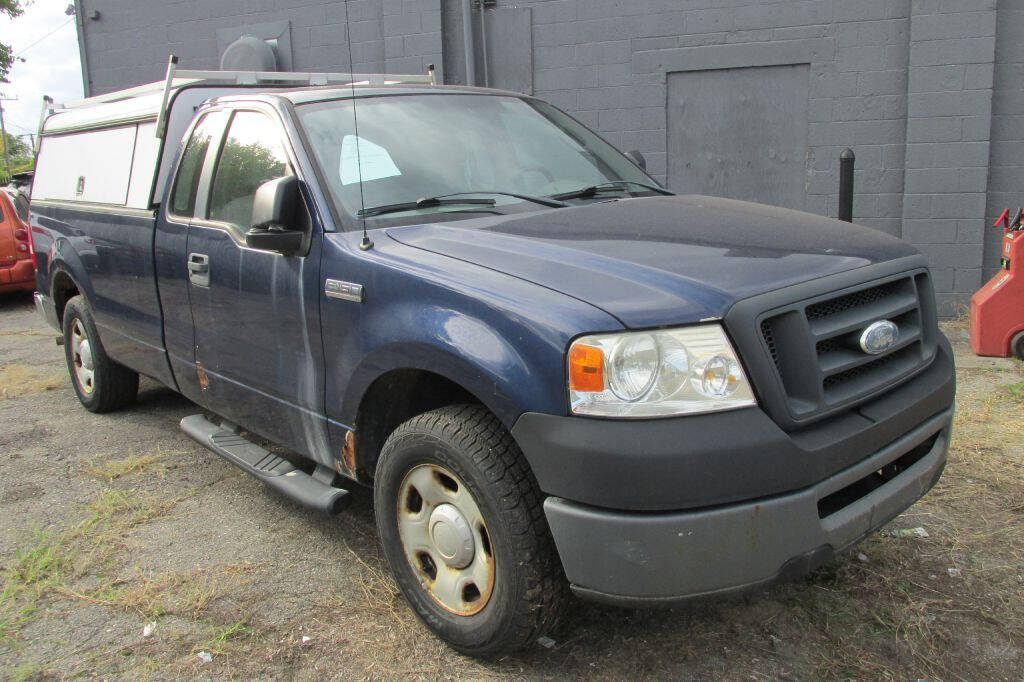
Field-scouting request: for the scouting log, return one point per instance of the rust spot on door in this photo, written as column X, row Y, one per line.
column 204, row 381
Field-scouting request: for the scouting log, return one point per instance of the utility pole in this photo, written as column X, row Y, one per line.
column 3, row 134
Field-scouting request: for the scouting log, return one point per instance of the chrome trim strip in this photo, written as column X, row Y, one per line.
column 92, row 207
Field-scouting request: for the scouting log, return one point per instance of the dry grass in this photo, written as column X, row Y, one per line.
column 110, row 470
column 21, row 380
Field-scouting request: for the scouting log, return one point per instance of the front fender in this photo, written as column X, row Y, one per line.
column 499, row 337
column 461, row 348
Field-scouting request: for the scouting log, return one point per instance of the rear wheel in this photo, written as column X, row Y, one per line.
column 101, row 384
column 1017, row 345
column 461, row 522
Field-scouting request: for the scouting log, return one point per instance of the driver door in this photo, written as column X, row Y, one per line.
column 256, row 312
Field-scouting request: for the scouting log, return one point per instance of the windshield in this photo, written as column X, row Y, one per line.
column 412, row 147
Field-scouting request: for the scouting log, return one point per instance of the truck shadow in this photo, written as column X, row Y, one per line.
column 14, row 300
column 155, row 396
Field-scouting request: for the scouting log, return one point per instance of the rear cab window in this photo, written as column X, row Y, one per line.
column 186, row 184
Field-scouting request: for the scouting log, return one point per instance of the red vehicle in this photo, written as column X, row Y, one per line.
column 16, row 270
column 997, row 313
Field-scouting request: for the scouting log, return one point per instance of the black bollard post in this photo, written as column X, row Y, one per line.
column 846, row 161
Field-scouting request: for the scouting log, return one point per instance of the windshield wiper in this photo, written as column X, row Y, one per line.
column 426, row 202
column 543, row 201
column 614, row 186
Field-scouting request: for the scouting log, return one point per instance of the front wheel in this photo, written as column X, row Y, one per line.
column 101, row 384
column 460, row 518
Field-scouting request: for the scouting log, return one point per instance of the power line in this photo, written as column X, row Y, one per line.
column 31, row 45
column 14, row 123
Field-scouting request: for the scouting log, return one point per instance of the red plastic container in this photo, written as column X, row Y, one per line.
column 997, row 309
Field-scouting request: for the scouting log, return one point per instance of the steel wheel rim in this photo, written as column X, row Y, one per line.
column 431, row 503
column 81, row 358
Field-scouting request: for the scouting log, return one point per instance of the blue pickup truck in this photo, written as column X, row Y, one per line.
column 557, row 376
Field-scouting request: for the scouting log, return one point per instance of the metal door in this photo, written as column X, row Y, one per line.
column 740, row 133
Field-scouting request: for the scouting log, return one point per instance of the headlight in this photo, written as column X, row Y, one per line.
column 657, row 373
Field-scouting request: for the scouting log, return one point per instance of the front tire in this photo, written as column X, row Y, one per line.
column 462, row 525
column 102, row 385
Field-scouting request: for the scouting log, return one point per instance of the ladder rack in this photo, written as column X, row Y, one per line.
column 176, row 78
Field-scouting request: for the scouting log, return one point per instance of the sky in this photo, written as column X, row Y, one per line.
column 51, row 65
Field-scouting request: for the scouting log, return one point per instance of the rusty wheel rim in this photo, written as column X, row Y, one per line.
column 445, row 539
column 81, row 358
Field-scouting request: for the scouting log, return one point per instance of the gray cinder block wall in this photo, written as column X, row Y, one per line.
column 928, row 93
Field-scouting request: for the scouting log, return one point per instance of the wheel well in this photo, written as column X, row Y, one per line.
column 62, row 290
column 394, row 398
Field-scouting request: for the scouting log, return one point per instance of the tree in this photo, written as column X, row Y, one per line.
column 13, row 9
column 15, row 146
column 20, row 154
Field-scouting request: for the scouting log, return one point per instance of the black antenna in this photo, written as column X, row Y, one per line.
column 365, row 244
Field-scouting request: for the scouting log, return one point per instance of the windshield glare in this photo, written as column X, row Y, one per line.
column 415, row 146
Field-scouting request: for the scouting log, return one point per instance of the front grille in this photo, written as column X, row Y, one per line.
column 769, row 339
column 857, row 299
column 815, row 344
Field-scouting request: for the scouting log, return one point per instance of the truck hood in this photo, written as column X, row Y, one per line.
column 659, row 260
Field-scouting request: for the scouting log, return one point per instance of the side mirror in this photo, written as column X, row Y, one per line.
column 273, row 215
column 637, row 158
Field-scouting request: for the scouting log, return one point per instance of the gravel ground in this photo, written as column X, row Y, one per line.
column 112, row 524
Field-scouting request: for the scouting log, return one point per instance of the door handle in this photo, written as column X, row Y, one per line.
column 199, row 269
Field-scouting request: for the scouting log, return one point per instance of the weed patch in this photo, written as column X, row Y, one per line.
column 223, row 636
column 53, row 561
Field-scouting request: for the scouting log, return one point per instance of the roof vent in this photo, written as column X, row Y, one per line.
column 249, row 53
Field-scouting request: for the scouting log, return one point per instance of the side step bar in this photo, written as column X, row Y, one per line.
column 276, row 472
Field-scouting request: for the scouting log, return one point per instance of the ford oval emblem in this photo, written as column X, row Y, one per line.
column 879, row 337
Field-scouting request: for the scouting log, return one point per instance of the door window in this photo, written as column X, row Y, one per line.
column 252, row 155
column 183, row 197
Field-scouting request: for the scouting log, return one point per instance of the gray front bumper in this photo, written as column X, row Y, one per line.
column 641, row 559
column 46, row 310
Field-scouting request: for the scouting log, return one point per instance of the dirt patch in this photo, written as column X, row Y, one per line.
column 112, row 523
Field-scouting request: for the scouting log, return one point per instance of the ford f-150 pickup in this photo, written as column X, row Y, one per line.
column 556, row 375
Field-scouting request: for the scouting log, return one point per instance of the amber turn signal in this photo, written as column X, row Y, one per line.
column 586, row 368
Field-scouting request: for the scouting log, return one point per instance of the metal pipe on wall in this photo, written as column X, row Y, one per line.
column 468, row 42
column 83, row 53
column 483, row 44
